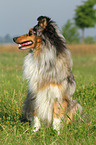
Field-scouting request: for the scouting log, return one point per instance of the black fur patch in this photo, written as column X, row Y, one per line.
column 51, row 35
column 70, row 79
column 55, row 40
column 42, row 17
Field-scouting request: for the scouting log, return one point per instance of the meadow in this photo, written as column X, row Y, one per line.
column 13, row 90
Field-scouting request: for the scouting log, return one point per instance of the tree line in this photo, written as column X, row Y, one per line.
column 85, row 17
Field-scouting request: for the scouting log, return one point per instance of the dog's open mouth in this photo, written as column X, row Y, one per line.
column 24, row 44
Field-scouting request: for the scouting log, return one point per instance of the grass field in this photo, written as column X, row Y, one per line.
column 13, row 90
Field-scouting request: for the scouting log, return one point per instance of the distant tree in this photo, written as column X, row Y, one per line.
column 6, row 39
column 89, row 40
column 70, row 32
column 1, row 40
column 85, row 15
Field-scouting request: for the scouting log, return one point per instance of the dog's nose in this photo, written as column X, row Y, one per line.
column 14, row 39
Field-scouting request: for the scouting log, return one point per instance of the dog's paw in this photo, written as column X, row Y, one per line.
column 56, row 125
column 37, row 124
column 35, row 129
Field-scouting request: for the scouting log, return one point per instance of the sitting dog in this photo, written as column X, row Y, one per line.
column 48, row 70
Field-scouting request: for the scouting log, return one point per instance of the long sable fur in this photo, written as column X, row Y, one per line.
column 53, row 65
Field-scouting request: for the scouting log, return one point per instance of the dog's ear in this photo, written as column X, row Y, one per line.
column 42, row 22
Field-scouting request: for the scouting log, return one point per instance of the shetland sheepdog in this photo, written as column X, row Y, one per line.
column 48, row 70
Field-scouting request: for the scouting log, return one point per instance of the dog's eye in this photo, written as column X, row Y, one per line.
column 35, row 33
column 32, row 32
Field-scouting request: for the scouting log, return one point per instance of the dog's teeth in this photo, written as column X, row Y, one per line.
column 19, row 45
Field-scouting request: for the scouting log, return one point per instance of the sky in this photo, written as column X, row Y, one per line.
column 18, row 16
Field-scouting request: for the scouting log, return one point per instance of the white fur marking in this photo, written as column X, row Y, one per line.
column 36, row 124
column 56, row 124
column 45, row 100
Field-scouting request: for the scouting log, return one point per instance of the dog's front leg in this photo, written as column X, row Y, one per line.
column 56, row 116
column 58, row 112
column 36, row 122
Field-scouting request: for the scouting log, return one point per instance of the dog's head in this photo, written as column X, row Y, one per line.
column 33, row 38
column 29, row 40
column 44, row 31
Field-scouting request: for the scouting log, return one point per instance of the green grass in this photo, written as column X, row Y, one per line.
column 13, row 90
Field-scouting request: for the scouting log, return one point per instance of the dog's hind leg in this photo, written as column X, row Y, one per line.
column 59, row 111
column 73, row 111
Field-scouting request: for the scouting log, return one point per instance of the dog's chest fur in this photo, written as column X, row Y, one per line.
column 36, row 69
column 42, row 72
column 36, row 72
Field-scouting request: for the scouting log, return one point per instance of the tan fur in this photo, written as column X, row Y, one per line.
column 59, row 110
